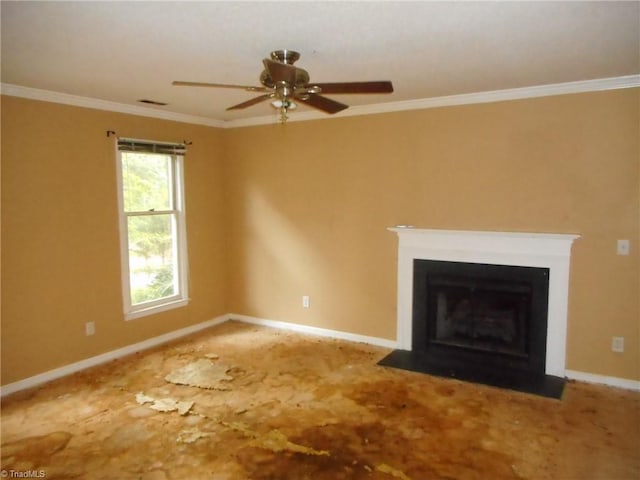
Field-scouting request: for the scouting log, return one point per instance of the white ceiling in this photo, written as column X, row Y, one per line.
column 126, row 51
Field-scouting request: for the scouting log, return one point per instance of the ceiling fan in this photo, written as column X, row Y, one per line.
column 285, row 84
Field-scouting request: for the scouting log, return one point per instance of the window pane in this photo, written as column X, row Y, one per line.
column 152, row 257
column 146, row 182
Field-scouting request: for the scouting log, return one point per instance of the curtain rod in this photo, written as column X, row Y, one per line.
column 184, row 142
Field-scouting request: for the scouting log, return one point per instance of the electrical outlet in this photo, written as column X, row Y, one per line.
column 623, row 247
column 305, row 301
column 89, row 328
column 617, row 344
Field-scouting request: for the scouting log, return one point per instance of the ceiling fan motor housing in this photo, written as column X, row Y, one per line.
column 302, row 78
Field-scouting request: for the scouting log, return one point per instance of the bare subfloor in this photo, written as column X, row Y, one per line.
column 277, row 405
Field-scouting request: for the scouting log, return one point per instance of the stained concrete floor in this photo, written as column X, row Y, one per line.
column 279, row 405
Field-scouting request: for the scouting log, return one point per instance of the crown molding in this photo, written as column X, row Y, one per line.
column 87, row 102
column 566, row 88
column 583, row 86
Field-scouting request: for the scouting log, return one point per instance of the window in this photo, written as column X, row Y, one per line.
column 152, row 226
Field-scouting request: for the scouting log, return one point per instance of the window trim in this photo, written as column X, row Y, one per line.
column 132, row 311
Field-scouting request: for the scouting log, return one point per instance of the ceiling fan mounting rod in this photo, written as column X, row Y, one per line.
column 288, row 57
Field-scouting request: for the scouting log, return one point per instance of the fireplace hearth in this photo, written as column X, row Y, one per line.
column 487, row 307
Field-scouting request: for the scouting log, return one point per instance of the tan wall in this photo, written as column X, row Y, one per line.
column 308, row 204
column 60, row 241
column 277, row 212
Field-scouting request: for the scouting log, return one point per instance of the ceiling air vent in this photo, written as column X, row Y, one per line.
column 153, row 102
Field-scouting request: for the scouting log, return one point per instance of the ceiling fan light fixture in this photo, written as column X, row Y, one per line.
column 282, row 83
column 288, row 104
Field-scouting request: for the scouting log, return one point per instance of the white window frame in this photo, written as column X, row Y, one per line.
column 181, row 298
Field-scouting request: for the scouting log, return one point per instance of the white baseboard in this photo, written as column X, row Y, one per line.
column 106, row 357
column 603, row 380
column 321, row 332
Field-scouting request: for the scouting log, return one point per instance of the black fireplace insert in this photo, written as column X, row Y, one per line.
column 480, row 322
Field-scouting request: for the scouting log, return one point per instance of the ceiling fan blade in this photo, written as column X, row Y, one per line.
column 248, row 88
column 253, row 101
column 322, row 103
column 355, row 87
column 280, row 72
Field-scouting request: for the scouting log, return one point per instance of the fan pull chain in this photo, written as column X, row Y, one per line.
column 283, row 113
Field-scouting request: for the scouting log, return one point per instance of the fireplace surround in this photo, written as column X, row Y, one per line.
column 548, row 254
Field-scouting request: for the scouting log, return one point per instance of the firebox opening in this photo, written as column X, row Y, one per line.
column 494, row 316
column 490, row 316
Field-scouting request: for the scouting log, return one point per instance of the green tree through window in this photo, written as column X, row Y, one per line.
column 151, row 210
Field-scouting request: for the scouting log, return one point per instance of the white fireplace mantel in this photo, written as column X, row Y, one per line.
column 544, row 250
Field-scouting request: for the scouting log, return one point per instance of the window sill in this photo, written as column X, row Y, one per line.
column 144, row 312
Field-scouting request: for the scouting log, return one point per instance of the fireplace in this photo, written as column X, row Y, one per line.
column 493, row 316
column 489, row 307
